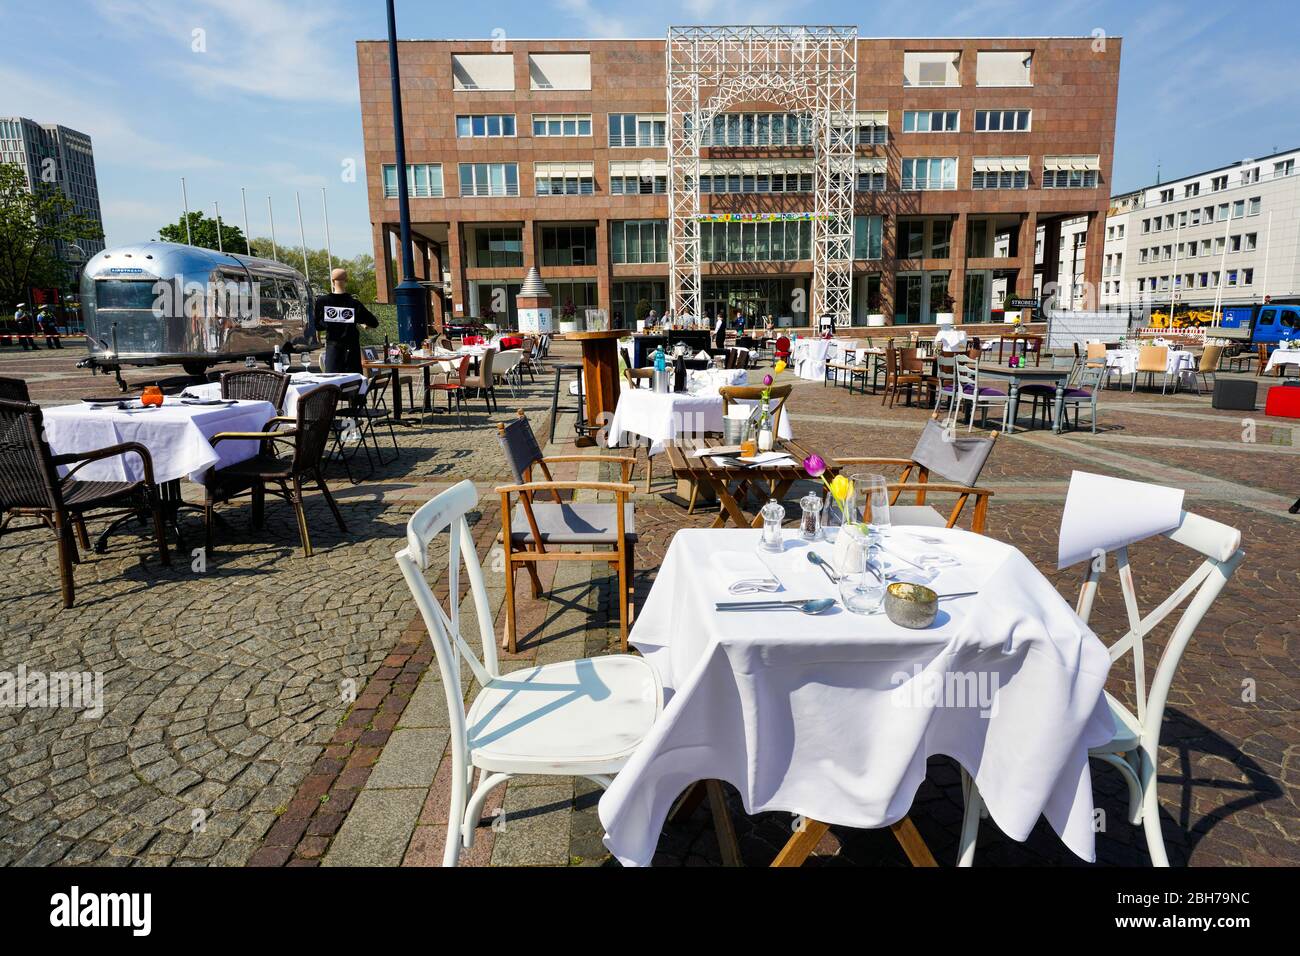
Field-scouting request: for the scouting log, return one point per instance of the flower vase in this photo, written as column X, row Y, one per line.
column 836, row 514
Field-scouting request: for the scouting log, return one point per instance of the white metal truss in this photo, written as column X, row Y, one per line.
column 810, row 70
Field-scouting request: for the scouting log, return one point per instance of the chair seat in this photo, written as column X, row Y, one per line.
column 1127, row 729
column 985, row 391
column 917, row 515
column 566, row 523
column 84, row 495
column 1078, row 393
column 583, row 716
column 259, row 466
column 1037, row 388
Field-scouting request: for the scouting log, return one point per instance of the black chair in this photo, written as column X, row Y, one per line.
column 255, row 385
column 30, row 485
column 307, row 438
column 14, row 390
column 580, row 409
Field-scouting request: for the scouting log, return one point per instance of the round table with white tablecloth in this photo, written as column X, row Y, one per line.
column 300, row 383
column 1280, row 357
column 834, row 716
column 1125, row 361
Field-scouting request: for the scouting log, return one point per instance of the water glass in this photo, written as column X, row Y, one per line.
column 862, row 578
column 773, row 514
column 871, row 493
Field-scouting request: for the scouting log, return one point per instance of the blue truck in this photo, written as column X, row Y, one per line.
column 1265, row 324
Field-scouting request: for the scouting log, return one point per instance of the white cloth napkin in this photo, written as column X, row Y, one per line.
column 1103, row 513
column 734, row 567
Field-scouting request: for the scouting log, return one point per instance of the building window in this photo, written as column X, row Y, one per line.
column 928, row 174
column 1002, row 179
column 482, row 71
column 632, row 129
column 485, row 124
column 1003, row 68
column 1191, row 189
column 873, row 133
column 1166, row 195
column 1002, row 121
column 1069, row 179
column 1218, row 183
column 564, row 179
column 871, row 182
column 489, row 179
column 1253, row 209
column 930, row 121
column 780, row 241
column 637, row 241
column 759, row 129
column 580, row 294
column 568, row 245
column 559, row 71
column 932, row 69
column 756, row 182
column 626, row 298
column 561, row 124
column 498, row 247
column 1284, row 168
column 911, row 239
column 868, row 237
column 423, row 180
column 632, row 185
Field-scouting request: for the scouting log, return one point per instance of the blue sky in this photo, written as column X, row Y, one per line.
column 271, row 103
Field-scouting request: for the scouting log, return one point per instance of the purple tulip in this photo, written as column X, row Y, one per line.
column 767, row 380
column 814, row 466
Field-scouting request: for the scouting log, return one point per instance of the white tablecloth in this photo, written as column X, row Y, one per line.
column 809, row 357
column 300, row 383
column 950, row 340
column 834, row 716
column 1280, row 357
column 662, row 417
column 177, row 436
column 707, row 381
column 1125, row 361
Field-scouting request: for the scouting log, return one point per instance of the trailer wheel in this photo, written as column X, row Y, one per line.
column 197, row 369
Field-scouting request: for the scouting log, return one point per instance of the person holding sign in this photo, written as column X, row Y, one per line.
column 337, row 316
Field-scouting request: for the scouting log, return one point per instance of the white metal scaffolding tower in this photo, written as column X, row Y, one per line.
column 809, row 70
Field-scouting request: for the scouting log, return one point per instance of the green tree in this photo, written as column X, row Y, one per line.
column 361, row 268
column 31, row 222
column 203, row 232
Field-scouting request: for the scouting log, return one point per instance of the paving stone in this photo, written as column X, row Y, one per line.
column 409, row 759
column 377, row 829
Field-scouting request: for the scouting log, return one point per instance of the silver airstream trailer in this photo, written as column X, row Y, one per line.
column 162, row 303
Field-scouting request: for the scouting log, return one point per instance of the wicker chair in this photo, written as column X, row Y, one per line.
column 308, row 437
column 14, row 390
column 255, row 385
column 30, row 485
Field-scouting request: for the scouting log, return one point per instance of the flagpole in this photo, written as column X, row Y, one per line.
column 270, row 214
column 248, row 242
column 185, row 199
column 302, row 237
column 1223, row 264
column 329, row 249
column 217, row 209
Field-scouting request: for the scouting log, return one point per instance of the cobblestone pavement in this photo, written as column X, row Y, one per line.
column 228, row 699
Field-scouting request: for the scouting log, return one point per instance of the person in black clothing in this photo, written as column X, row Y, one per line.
column 49, row 328
column 23, row 319
column 720, row 332
column 337, row 316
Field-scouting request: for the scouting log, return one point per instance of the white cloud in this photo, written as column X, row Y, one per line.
column 269, row 48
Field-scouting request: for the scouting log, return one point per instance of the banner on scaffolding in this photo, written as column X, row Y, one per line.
column 758, row 216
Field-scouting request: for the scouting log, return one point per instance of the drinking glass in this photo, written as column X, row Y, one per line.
column 871, row 494
column 862, row 579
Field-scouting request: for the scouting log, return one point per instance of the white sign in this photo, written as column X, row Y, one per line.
column 536, row 320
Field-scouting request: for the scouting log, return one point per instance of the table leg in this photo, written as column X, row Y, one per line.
column 1013, row 404
column 774, row 494
column 1058, row 408
column 428, row 406
column 730, row 508
column 722, row 824
column 805, row 839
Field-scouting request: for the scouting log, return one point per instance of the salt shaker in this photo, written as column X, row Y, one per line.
column 810, row 524
column 773, row 514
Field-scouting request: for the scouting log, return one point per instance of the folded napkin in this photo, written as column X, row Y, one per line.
column 1102, row 514
column 735, row 567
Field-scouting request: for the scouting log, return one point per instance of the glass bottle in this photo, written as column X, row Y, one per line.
column 765, row 427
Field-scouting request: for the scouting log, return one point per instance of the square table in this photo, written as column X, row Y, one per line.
column 1280, row 357
column 395, row 369
column 300, row 383
column 709, row 474
column 834, row 716
column 1015, row 377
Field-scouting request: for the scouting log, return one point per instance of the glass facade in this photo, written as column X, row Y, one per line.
column 568, row 245
column 638, row 241
column 756, row 241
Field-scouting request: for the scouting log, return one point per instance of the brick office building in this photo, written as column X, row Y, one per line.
column 551, row 153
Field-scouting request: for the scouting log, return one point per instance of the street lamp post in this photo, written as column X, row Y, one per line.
column 412, row 301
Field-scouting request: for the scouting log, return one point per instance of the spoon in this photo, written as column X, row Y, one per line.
column 816, row 606
column 822, row 563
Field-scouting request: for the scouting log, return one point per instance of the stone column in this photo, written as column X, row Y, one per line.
column 957, row 274
column 459, row 287
column 1025, row 241
column 1092, row 260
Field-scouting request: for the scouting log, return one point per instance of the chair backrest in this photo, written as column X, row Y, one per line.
column 505, row 361
column 777, row 398
column 1152, row 358
column 519, row 445
column 447, row 514
column 782, row 345
column 444, row 342
column 462, row 370
column 967, row 372
column 952, row 457
column 14, row 390
column 1097, row 350
column 637, row 375
column 1220, row 546
column 256, row 385
column 315, row 416
column 28, row 478
column 945, row 367
column 910, row 360
column 485, row 366
column 1210, row 358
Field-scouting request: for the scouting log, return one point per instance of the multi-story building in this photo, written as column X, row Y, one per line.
column 1230, row 234
column 63, row 157
column 552, row 153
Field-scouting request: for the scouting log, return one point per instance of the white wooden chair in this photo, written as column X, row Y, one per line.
column 1134, row 750
column 581, row 718
column 969, row 389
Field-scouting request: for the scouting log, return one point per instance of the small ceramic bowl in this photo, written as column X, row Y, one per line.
column 911, row 605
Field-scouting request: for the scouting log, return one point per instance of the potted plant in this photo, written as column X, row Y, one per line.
column 487, row 318
column 875, row 318
column 945, row 315
column 568, row 318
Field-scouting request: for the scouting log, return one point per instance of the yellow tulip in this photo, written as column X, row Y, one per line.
column 841, row 488
column 779, row 367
